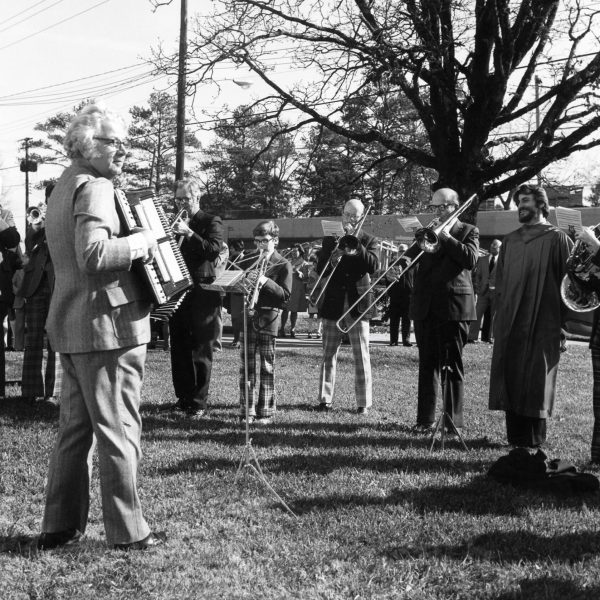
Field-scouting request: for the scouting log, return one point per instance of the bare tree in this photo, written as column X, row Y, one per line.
column 466, row 67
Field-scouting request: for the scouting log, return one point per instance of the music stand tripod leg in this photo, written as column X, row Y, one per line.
column 445, row 416
column 249, row 460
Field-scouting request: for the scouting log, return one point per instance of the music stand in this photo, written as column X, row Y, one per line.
column 445, row 417
column 232, row 281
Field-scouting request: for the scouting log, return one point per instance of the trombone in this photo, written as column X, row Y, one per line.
column 427, row 239
column 349, row 238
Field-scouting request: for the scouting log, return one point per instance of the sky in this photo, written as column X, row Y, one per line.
column 100, row 46
column 82, row 39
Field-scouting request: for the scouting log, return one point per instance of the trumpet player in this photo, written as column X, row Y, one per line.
column 442, row 305
column 356, row 259
column 270, row 286
column 194, row 326
column 529, row 316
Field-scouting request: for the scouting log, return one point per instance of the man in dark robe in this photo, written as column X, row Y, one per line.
column 529, row 316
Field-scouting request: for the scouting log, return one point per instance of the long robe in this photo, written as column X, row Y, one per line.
column 528, row 320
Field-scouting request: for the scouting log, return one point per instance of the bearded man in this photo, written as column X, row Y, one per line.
column 529, row 316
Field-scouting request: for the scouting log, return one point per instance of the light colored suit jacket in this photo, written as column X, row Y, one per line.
column 98, row 303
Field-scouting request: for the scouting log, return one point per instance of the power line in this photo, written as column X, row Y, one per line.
column 31, row 16
column 74, row 80
column 21, row 12
column 53, row 25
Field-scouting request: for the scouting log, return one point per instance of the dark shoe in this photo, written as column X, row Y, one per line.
column 292, row 334
column 180, row 405
column 263, row 420
column 152, row 540
column 48, row 541
column 323, row 407
column 423, row 429
column 393, row 343
column 407, row 344
column 362, row 410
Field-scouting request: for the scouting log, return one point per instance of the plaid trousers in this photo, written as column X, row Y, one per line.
column 265, row 344
column 359, row 340
column 34, row 384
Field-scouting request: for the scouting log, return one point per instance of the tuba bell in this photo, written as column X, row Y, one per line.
column 575, row 289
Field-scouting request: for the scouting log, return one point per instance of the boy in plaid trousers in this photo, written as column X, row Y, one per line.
column 275, row 286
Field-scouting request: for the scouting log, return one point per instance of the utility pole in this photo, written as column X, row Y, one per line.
column 181, row 85
column 537, row 117
column 26, row 166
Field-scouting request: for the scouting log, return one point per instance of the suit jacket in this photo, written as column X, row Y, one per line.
column 351, row 277
column 202, row 249
column 98, row 302
column 442, row 282
column 39, row 263
column 482, row 279
column 273, row 295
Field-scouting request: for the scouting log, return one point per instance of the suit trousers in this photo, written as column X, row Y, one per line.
column 485, row 317
column 194, row 329
column 33, row 382
column 440, row 345
column 399, row 312
column 100, row 398
column 359, row 340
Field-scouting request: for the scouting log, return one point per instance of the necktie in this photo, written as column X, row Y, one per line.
column 492, row 263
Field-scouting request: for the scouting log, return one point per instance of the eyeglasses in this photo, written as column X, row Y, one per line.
column 436, row 206
column 116, row 142
column 262, row 241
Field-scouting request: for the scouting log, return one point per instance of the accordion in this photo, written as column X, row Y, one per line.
column 167, row 276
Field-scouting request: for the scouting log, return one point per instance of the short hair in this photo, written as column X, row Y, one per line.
column 266, row 228
column 191, row 185
column 538, row 193
column 79, row 140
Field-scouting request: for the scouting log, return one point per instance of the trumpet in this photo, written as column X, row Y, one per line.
column 253, row 276
column 348, row 241
column 182, row 214
column 427, row 240
column 36, row 214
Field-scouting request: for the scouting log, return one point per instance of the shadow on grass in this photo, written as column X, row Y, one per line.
column 480, row 496
column 551, row 588
column 504, row 547
column 22, row 411
column 21, row 545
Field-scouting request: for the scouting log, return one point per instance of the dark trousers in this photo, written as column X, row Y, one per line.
column 194, row 328
column 440, row 344
column 526, row 432
column 399, row 312
column 293, row 320
column 3, row 314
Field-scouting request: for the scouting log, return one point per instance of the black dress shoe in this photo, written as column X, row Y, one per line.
column 424, row 428
column 181, row 405
column 393, row 343
column 323, row 407
column 407, row 344
column 362, row 410
column 47, row 541
column 152, row 540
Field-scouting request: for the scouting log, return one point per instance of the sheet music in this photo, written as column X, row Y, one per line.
column 333, row 228
column 568, row 219
column 410, row 224
column 227, row 281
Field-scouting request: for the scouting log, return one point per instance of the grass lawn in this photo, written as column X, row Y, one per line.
column 378, row 516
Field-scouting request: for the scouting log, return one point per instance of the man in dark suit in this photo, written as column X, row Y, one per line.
column 442, row 304
column 194, row 326
column 36, row 289
column 484, row 284
column 357, row 261
column 399, row 295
